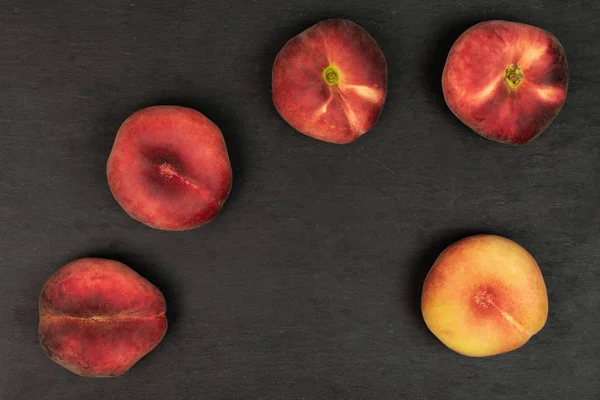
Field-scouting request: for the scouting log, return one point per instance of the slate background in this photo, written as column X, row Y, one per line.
column 308, row 284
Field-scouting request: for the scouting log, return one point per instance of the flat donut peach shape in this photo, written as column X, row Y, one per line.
column 169, row 168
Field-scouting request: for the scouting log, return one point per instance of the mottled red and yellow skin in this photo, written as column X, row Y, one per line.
column 330, row 81
column 484, row 295
column 507, row 81
column 98, row 317
column 169, row 168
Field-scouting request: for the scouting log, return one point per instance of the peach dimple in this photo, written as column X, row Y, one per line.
column 169, row 168
column 330, row 81
column 483, row 299
column 484, row 295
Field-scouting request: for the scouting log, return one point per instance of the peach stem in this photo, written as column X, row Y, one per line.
column 331, row 76
column 513, row 75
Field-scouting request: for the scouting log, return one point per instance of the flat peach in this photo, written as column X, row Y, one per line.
column 484, row 295
column 507, row 81
column 330, row 81
column 169, row 168
column 99, row 317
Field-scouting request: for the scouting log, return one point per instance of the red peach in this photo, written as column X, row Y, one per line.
column 98, row 317
column 484, row 295
column 169, row 168
column 330, row 81
column 507, row 81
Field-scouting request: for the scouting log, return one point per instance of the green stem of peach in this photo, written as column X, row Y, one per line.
column 331, row 76
column 513, row 76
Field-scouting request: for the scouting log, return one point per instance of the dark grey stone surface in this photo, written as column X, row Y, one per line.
column 308, row 284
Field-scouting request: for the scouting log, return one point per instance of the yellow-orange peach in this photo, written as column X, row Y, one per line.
column 484, row 295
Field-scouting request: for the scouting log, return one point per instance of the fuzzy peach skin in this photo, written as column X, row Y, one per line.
column 169, row 168
column 330, row 81
column 507, row 81
column 98, row 317
column 484, row 295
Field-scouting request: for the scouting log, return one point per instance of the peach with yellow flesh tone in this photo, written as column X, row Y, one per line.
column 330, row 81
column 484, row 295
column 507, row 81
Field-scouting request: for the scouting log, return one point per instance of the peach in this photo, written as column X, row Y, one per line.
column 169, row 168
column 484, row 295
column 330, row 81
column 98, row 317
column 506, row 81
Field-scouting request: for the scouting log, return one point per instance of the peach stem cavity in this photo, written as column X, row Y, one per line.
column 513, row 76
column 331, row 76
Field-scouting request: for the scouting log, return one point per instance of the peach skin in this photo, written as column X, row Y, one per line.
column 169, row 168
column 98, row 317
column 330, row 81
column 507, row 81
column 484, row 295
